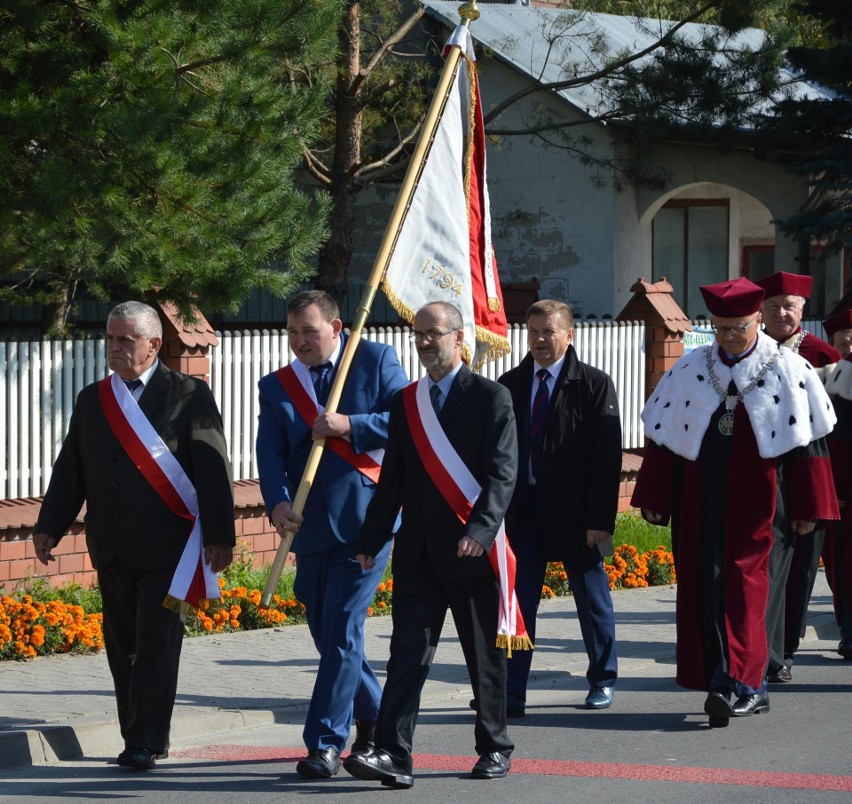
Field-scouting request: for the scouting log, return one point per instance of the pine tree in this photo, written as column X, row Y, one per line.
column 818, row 128
column 152, row 144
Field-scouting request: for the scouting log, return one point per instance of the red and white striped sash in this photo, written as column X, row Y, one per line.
column 460, row 489
column 296, row 381
column 193, row 581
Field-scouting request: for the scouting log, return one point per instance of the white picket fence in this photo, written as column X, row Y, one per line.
column 39, row 381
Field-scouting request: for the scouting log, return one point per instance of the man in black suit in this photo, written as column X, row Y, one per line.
column 566, row 498
column 137, row 535
column 440, row 556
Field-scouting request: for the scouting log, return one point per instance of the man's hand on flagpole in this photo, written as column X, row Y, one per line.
column 285, row 519
column 366, row 562
column 218, row 556
column 469, row 547
column 328, row 424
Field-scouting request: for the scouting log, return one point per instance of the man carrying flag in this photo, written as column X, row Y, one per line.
column 450, row 463
column 145, row 451
column 329, row 581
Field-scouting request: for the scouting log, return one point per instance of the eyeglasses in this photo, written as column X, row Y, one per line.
column 429, row 337
column 739, row 329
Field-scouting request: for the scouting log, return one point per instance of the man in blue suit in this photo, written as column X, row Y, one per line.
column 329, row 580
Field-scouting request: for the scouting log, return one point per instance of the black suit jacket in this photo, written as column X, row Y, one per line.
column 125, row 517
column 478, row 420
column 581, row 458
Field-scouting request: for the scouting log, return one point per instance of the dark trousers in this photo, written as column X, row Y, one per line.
column 780, row 560
column 800, row 585
column 837, row 554
column 336, row 593
column 589, row 586
column 143, row 641
column 420, row 602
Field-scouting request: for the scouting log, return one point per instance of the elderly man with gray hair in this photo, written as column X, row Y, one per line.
column 145, row 451
column 794, row 560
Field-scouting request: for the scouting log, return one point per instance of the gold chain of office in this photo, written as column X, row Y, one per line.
column 726, row 423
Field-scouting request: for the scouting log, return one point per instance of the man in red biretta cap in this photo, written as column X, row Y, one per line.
column 837, row 550
column 794, row 561
column 728, row 426
column 839, row 330
column 783, row 305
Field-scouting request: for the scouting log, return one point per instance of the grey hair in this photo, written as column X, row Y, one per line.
column 148, row 324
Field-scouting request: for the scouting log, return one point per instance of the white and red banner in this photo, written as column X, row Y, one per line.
column 460, row 489
column 444, row 252
column 194, row 580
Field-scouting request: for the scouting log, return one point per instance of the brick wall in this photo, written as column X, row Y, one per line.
column 255, row 536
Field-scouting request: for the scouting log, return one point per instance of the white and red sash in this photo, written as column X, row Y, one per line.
column 194, row 580
column 296, row 381
column 460, row 489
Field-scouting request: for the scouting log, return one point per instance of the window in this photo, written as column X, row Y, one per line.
column 691, row 248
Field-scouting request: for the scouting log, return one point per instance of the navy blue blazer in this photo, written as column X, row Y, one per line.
column 339, row 496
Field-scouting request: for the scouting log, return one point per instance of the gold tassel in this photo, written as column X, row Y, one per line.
column 510, row 643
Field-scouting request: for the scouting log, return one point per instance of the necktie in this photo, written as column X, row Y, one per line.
column 322, row 381
column 435, row 393
column 537, row 420
column 132, row 385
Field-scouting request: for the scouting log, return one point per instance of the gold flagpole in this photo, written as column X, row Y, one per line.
column 468, row 13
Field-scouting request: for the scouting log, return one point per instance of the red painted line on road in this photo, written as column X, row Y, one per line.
column 555, row 767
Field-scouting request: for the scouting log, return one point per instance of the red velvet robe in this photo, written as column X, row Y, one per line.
column 723, row 507
column 837, row 551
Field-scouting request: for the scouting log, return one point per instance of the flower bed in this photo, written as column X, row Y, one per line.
column 30, row 627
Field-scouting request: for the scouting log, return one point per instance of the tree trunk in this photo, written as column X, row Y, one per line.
column 336, row 256
column 57, row 306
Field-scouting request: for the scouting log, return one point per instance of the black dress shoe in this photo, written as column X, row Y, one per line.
column 491, row 766
column 751, row 705
column 718, row 706
column 780, row 676
column 320, row 763
column 378, row 766
column 139, row 758
column 365, row 737
column 845, row 649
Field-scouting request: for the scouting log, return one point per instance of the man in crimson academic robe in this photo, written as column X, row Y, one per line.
column 737, row 451
column 794, row 560
column 837, row 550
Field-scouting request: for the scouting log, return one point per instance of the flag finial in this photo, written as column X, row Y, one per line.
column 469, row 11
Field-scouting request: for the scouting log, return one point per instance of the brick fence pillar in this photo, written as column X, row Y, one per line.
column 186, row 344
column 665, row 324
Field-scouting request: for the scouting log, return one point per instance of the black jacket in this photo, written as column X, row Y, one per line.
column 125, row 516
column 478, row 420
column 581, row 459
